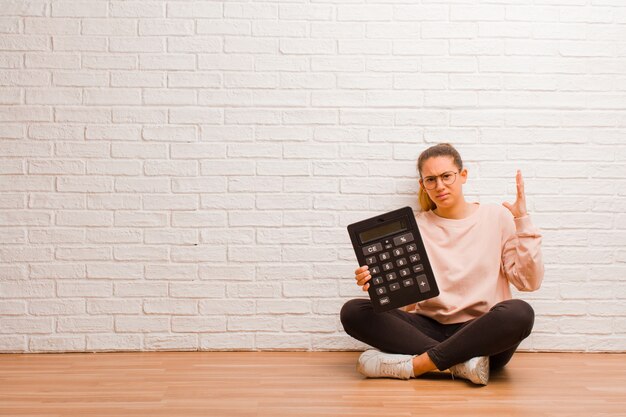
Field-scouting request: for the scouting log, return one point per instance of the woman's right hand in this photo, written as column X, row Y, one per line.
column 362, row 276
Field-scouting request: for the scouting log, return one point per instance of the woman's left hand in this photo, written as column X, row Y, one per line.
column 518, row 209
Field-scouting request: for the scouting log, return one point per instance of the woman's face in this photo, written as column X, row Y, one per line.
column 436, row 172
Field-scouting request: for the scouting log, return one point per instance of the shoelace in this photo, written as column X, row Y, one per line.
column 461, row 372
column 388, row 367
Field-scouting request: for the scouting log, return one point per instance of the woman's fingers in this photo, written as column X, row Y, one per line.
column 362, row 275
column 361, row 269
column 361, row 272
column 518, row 208
column 521, row 196
column 363, row 279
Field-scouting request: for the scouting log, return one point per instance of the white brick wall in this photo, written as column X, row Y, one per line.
column 179, row 174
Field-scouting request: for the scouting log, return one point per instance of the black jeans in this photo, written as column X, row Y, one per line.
column 496, row 334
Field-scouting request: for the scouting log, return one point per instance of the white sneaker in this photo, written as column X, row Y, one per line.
column 475, row 370
column 376, row 364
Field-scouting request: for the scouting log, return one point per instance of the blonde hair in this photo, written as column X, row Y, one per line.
column 440, row 149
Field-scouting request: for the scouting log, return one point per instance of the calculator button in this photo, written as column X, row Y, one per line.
column 370, row 260
column 381, row 290
column 391, row 276
column 402, row 239
column 411, row 248
column 377, row 280
column 388, row 266
column 407, row 282
column 414, row 258
column 401, row 262
column 394, row 287
column 375, row 270
column 405, row 272
column 368, row 250
column 418, row 268
column 384, row 301
column 422, row 283
column 384, row 256
column 398, row 252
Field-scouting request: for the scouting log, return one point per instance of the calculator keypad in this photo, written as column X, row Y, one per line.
column 391, row 245
column 397, row 265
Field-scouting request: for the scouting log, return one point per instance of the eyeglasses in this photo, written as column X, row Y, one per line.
column 447, row 178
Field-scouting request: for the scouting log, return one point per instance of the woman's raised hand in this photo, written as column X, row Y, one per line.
column 362, row 276
column 518, row 209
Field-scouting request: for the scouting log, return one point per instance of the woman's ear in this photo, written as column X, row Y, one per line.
column 463, row 174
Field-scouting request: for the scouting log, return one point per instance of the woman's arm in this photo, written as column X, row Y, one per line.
column 522, row 261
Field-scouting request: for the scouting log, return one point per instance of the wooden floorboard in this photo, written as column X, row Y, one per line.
column 299, row 384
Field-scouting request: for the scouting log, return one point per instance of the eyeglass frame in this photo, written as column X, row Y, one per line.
column 434, row 177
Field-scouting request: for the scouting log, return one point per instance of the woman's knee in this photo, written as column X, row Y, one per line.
column 525, row 311
column 352, row 312
column 522, row 316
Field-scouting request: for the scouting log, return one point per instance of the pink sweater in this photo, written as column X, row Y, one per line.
column 476, row 258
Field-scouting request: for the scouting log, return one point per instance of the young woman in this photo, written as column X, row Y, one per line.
column 476, row 251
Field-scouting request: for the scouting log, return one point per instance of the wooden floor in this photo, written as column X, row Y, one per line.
column 299, row 384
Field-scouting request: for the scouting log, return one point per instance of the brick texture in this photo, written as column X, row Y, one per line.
column 178, row 175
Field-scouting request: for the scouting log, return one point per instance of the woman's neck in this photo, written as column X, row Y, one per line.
column 459, row 211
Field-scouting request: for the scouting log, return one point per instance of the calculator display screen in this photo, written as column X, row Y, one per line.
column 382, row 231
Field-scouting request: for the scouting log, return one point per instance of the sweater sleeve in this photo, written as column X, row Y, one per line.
column 522, row 261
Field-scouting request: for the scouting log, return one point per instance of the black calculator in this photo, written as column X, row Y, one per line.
column 391, row 245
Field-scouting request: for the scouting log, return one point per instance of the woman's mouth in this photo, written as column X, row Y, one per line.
column 442, row 196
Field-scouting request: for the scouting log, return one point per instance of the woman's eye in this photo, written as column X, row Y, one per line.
column 446, row 176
